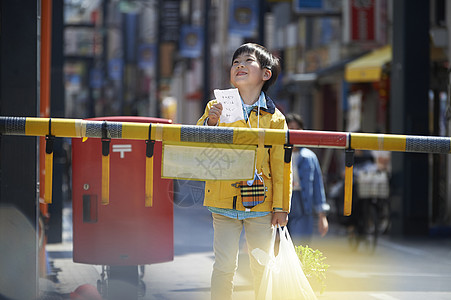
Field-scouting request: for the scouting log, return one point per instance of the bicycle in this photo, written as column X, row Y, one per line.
column 371, row 209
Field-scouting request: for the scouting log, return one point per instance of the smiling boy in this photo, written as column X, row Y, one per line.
column 254, row 69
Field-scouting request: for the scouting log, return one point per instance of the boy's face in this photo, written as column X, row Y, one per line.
column 246, row 71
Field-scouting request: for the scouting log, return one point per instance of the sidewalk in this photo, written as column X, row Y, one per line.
column 186, row 277
column 399, row 269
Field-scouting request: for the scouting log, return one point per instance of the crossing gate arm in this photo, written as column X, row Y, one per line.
column 77, row 128
column 32, row 126
column 404, row 143
column 319, row 139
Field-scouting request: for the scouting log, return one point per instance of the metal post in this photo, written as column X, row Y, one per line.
column 57, row 110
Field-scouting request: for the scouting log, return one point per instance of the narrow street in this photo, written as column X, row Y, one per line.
column 399, row 269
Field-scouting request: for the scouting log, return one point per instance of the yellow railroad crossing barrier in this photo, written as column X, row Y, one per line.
column 106, row 130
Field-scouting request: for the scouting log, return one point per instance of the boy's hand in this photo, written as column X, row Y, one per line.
column 279, row 218
column 214, row 114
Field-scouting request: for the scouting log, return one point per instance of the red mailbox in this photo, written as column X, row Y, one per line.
column 124, row 232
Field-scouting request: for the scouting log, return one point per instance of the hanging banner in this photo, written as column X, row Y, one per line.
column 354, row 112
column 130, row 36
column 306, row 5
column 243, row 18
column 146, row 56
column 363, row 20
column 191, row 41
column 96, row 78
column 115, row 67
column 318, row 7
column 130, row 32
column 208, row 162
column 169, row 20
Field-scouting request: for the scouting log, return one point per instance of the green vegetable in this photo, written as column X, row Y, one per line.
column 313, row 264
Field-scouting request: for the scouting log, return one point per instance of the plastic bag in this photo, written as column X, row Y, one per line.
column 283, row 277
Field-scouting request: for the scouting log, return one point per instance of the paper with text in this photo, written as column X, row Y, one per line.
column 232, row 110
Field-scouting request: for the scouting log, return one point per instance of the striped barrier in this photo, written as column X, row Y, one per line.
column 106, row 130
column 31, row 126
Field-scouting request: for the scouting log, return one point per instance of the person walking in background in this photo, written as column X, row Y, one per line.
column 253, row 70
column 308, row 196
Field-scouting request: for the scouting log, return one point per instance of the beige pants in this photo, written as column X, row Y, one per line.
column 227, row 233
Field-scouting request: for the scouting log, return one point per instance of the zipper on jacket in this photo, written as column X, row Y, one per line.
column 234, row 202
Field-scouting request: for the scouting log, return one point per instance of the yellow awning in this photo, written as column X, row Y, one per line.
column 368, row 68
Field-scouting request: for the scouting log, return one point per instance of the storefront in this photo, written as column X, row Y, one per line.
column 368, row 105
column 369, row 90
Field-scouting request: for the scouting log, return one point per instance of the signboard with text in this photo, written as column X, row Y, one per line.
column 169, row 20
column 365, row 21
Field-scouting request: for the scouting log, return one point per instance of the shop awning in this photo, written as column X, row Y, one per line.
column 368, row 68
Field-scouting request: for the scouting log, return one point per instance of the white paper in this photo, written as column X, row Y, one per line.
column 232, row 110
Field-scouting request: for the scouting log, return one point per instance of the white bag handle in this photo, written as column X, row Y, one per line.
column 263, row 257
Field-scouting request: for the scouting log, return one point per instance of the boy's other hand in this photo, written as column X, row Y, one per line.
column 279, row 218
column 214, row 114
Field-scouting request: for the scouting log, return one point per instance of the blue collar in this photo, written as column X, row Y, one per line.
column 260, row 102
column 266, row 104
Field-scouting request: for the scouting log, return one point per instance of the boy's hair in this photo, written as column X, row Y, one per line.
column 292, row 117
column 265, row 59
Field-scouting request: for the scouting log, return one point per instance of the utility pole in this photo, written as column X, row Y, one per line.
column 18, row 156
column 261, row 22
column 409, row 115
column 207, row 54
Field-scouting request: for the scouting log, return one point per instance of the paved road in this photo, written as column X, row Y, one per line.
column 398, row 270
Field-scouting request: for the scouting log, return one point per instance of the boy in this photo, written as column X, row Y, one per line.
column 253, row 70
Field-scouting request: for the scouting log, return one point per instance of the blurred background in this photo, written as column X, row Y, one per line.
column 373, row 66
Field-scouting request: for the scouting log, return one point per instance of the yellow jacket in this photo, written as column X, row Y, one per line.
column 270, row 162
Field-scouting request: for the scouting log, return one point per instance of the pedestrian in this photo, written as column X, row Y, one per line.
column 308, row 197
column 254, row 69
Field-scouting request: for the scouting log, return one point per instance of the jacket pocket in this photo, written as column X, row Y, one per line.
column 220, row 189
